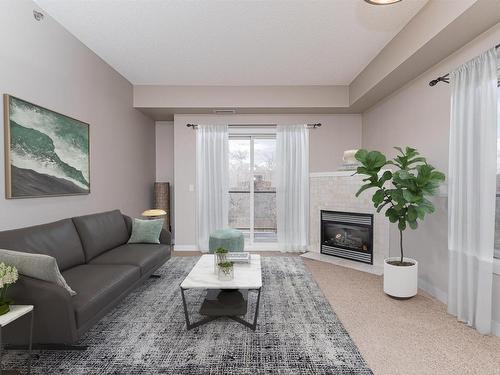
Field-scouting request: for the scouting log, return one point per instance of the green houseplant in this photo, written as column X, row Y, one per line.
column 220, row 256
column 403, row 192
column 8, row 276
column 226, row 271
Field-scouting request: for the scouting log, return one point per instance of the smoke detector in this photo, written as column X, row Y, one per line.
column 38, row 15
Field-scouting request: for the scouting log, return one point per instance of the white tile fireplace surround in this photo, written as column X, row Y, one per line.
column 335, row 191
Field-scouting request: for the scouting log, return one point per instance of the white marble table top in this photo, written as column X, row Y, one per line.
column 16, row 311
column 202, row 276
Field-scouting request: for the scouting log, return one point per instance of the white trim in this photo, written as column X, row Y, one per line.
column 255, row 247
column 496, row 266
column 351, row 173
column 332, row 174
column 185, row 248
column 433, row 291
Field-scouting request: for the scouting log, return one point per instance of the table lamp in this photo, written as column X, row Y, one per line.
column 154, row 213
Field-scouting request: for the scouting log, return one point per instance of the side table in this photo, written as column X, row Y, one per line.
column 17, row 311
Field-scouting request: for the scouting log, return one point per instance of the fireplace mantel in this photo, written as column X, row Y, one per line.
column 332, row 174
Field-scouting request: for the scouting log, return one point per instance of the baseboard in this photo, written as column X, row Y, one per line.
column 264, row 247
column 433, row 291
column 443, row 297
column 185, row 248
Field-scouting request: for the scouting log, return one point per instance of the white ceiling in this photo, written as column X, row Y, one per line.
column 234, row 42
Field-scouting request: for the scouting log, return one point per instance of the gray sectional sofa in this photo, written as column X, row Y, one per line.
column 93, row 256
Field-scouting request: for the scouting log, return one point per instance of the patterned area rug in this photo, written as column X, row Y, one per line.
column 297, row 332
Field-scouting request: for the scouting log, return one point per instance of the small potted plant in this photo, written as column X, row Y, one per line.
column 219, row 257
column 8, row 276
column 403, row 192
column 225, row 271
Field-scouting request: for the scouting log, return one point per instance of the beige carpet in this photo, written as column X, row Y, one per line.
column 414, row 336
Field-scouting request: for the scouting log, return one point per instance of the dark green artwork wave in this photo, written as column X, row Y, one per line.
column 38, row 146
column 65, row 127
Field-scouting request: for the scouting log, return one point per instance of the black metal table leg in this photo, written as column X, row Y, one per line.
column 30, row 341
column 252, row 326
column 1, row 346
column 28, row 370
column 190, row 325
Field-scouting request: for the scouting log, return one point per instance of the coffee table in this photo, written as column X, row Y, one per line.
column 224, row 298
column 16, row 312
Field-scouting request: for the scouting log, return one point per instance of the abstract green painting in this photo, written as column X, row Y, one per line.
column 46, row 153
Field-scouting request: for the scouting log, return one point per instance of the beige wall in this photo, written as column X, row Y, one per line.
column 164, row 151
column 419, row 115
column 338, row 133
column 44, row 64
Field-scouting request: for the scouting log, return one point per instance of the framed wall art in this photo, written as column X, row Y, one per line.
column 46, row 153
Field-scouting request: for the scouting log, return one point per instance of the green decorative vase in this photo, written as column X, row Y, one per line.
column 4, row 307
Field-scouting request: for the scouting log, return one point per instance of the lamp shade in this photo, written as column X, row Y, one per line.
column 154, row 212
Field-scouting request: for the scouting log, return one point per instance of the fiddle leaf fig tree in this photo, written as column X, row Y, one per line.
column 403, row 191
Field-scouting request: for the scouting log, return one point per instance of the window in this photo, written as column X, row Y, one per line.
column 497, row 209
column 252, row 194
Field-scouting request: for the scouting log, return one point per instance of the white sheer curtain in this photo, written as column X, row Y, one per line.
column 292, row 187
column 471, row 206
column 212, row 181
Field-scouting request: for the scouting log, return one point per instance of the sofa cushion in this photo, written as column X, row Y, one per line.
column 144, row 256
column 39, row 266
column 101, row 232
column 165, row 236
column 97, row 286
column 58, row 239
column 146, row 231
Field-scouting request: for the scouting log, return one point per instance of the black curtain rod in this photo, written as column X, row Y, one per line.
column 314, row 126
column 446, row 77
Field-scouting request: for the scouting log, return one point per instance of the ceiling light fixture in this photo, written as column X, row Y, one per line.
column 382, row 2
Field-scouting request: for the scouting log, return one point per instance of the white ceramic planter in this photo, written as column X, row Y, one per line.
column 400, row 281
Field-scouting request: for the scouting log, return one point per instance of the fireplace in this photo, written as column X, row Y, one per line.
column 347, row 235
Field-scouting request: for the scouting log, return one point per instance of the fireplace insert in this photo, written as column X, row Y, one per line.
column 347, row 235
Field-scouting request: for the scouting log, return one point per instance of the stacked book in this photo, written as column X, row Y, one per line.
column 238, row 257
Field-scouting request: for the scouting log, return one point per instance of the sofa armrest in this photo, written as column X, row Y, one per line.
column 165, row 237
column 54, row 315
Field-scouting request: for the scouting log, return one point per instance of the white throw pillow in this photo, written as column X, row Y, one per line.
column 39, row 266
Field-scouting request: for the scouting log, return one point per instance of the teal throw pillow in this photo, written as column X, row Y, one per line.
column 146, row 231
